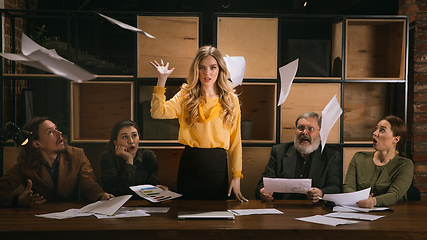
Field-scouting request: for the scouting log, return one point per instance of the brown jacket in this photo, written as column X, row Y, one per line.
column 74, row 172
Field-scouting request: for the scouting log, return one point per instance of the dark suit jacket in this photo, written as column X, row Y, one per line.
column 74, row 172
column 325, row 170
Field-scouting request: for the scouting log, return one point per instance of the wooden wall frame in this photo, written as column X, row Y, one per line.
column 253, row 38
column 176, row 45
column 375, row 49
column 97, row 106
column 308, row 97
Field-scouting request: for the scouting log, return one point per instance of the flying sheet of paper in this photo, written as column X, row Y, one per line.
column 153, row 193
column 124, row 214
column 39, row 57
column 243, row 212
column 326, row 220
column 359, row 209
column 70, row 213
column 106, row 207
column 330, row 115
column 355, row 216
column 348, row 199
column 125, row 26
column 284, row 185
column 287, row 75
column 236, row 66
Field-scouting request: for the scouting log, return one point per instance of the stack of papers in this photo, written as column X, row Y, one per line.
column 326, row 220
column 147, row 209
column 348, row 199
column 105, row 207
column 356, row 216
column 123, row 213
column 243, row 212
column 359, row 209
column 333, row 219
column 153, row 193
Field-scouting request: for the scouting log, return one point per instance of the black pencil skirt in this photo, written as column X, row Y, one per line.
column 203, row 173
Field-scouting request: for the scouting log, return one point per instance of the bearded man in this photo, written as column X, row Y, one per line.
column 304, row 158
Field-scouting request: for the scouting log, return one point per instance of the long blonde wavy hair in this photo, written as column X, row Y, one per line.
column 192, row 89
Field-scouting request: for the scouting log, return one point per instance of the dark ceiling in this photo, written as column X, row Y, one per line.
column 347, row 7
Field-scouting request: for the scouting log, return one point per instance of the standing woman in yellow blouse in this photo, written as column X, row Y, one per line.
column 209, row 116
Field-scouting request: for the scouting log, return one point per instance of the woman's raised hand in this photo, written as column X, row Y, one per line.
column 163, row 71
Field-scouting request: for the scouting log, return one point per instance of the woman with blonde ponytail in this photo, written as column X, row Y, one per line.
column 208, row 111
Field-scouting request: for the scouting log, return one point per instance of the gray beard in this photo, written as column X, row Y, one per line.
column 306, row 150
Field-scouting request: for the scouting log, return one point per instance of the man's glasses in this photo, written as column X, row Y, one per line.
column 308, row 128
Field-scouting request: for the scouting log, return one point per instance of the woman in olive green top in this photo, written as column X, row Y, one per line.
column 386, row 171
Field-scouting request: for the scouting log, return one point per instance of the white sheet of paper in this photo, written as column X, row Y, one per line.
column 236, row 66
column 39, row 57
column 356, row 216
column 287, row 75
column 243, row 212
column 359, row 209
column 70, row 213
column 326, row 220
column 343, row 209
column 348, row 199
column 125, row 26
column 284, row 185
column 330, row 115
column 106, row 207
column 147, row 209
column 25, row 60
column 153, row 193
column 124, row 214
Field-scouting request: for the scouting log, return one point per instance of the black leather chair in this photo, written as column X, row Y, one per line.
column 413, row 193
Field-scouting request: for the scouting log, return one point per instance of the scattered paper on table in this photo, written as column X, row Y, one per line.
column 147, row 209
column 287, row 75
column 356, row 216
column 330, row 115
column 348, row 199
column 106, row 207
column 153, row 193
column 124, row 214
column 284, row 185
column 243, row 212
column 359, row 209
column 125, row 26
column 70, row 213
column 326, row 220
column 39, row 57
column 343, row 209
column 236, row 66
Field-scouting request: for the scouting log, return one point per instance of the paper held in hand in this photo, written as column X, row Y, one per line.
column 284, row 185
column 153, row 193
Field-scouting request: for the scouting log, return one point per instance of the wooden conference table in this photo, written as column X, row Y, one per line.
column 407, row 221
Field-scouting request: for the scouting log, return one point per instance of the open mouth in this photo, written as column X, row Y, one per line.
column 60, row 141
column 305, row 140
column 374, row 141
column 131, row 148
